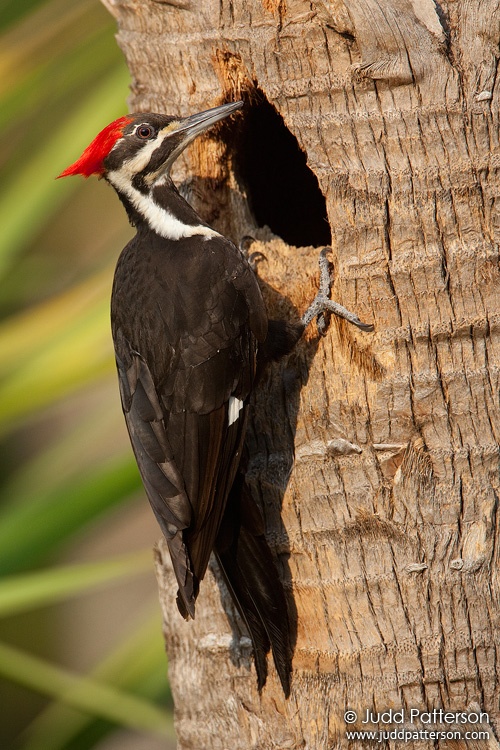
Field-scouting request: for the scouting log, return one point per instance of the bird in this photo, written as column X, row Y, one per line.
column 191, row 335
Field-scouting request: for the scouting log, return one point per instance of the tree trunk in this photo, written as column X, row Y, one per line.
column 374, row 456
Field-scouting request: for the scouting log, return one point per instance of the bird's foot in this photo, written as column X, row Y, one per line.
column 245, row 244
column 322, row 306
column 253, row 258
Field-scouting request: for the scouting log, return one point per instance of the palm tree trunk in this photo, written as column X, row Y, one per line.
column 374, row 456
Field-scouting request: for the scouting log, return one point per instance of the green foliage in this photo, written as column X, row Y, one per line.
column 67, row 464
column 137, row 664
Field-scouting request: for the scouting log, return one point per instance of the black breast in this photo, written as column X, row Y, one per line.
column 193, row 310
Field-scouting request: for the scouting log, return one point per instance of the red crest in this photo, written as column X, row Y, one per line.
column 91, row 161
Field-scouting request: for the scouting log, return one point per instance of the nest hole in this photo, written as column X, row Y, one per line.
column 283, row 193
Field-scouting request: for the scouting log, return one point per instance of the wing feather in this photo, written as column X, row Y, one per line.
column 181, row 355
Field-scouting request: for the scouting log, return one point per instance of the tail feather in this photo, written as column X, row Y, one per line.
column 250, row 616
column 249, row 570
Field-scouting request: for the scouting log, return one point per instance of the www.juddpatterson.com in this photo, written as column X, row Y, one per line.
column 405, row 735
column 437, row 724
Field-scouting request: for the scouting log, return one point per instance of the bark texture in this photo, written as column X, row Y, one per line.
column 374, row 456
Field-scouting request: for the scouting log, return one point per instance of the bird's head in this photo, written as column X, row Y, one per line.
column 141, row 148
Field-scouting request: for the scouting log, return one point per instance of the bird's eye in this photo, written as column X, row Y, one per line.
column 144, row 132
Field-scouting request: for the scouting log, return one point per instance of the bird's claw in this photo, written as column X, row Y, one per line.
column 254, row 258
column 245, row 244
column 322, row 306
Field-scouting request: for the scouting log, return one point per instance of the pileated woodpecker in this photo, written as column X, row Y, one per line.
column 190, row 331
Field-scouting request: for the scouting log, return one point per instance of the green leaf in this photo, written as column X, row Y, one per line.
column 80, row 355
column 30, row 332
column 34, row 193
column 84, row 693
column 29, row 530
column 137, row 664
column 27, row 591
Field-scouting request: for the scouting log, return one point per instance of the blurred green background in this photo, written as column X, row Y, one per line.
column 82, row 661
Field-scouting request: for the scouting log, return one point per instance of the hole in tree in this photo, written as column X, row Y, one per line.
column 282, row 191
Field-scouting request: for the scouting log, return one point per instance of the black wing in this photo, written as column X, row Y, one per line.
column 247, row 565
column 186, row 318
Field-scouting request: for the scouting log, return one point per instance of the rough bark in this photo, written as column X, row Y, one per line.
column 374, row 456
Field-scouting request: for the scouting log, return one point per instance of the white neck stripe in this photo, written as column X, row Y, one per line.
column 162, row 221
